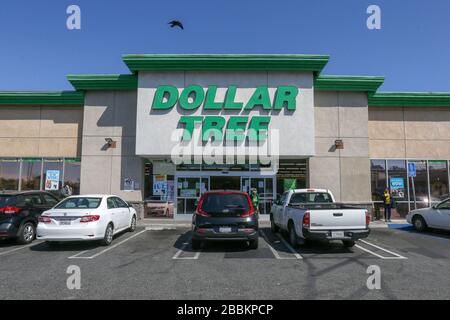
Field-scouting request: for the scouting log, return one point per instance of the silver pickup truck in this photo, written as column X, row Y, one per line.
column 313, row 214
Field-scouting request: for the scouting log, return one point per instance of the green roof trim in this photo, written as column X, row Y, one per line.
column 42, row 98
column 104, row 81
column 227, row 62
column 348, row 83
column 410, row 99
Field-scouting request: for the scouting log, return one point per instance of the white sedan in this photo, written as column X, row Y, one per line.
column 436, row 217
column 89, row 217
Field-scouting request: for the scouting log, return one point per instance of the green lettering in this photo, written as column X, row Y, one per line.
column 213, row 125
column 236, row 128
column 259, row 98
column 161, row 92
column 288, row 95
column 198, row 93
column 258, row 124
column 229, row 99
column 210, row 97
column 189, row 125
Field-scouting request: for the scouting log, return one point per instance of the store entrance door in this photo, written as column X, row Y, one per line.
column 225, row 183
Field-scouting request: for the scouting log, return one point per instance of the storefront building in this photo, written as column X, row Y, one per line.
column 116, row 134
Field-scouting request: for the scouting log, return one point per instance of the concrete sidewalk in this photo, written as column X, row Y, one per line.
column 164, row 224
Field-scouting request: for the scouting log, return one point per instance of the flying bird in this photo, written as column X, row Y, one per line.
column 176, row 23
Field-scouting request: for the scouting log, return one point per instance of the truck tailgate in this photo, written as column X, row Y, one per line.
column 338, row 219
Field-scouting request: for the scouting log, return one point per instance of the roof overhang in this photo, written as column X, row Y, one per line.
column 348, row 83
column 42, row 98
column 104, row 81
column 225, row 62
column 409, row 99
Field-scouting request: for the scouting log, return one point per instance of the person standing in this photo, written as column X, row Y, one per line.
column 387, row 201
column 255, row 200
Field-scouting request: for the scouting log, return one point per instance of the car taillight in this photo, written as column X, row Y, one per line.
column 44, row 219
column 367, row 218
column 306, row 220
column 87, row 219
column 248, row 213
column 203, row 213
column 200, row 211
column 10, row 210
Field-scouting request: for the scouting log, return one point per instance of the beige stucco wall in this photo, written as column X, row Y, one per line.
column 409, row 133
column 110, row 114
column 40, row 131
column 346, row 172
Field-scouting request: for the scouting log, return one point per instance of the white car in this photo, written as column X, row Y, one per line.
column 89, row 217
column 436, row 217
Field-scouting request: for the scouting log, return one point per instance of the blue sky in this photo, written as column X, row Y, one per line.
column 412, row 50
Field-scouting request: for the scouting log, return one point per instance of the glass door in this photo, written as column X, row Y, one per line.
column 189, row 190
column 264, row 187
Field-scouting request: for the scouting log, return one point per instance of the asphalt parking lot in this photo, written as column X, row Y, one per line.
column 160, row 264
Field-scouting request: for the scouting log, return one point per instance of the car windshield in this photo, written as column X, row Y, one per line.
column 220, row 202
column 6, row 200
column 80, row 203
column 311, row 197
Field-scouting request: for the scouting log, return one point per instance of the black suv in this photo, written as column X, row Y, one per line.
column 225, row 215
column 19, row 213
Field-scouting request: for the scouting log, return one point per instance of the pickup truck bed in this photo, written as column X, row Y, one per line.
column 319, row 221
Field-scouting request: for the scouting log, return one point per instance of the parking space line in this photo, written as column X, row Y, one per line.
column 385, row 250
column 296, row 254
column 19, row 248
column 275, row 252
column 180, row 251
column 371, row 252
column 77, row 256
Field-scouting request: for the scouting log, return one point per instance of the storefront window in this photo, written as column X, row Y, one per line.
column 420, row 182
column 31, row 174
column 438, row 180
column 9, row 174
column 397, row 179
column 378, row 178
column 53, row 175
column 72, row 171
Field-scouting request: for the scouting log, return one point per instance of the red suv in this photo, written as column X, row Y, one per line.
column 225, row 216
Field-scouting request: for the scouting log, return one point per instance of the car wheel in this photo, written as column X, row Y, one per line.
column 196, row 244
column 348, row 243
column 133, row 224
column 292, row 236
column 253, row 244
column 109, row 234
column 27, row 233
column 419, row 223
column 273, row 226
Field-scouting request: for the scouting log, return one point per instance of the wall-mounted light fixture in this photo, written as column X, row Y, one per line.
column 110, row 143
column 339, row 144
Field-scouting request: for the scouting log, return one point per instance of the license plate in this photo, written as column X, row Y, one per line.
column 65, row 223
column 337, row 234
column 225, row 230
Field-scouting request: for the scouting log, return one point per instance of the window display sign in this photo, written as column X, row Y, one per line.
column 52, row 180
column 397, row 186
column 188, row 193
column 128, row 184
column 159, row 185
